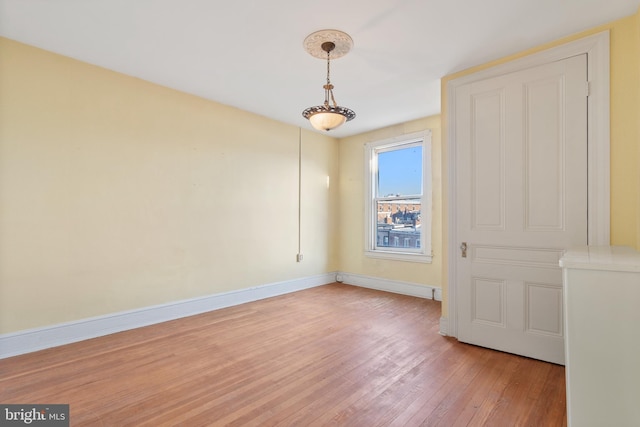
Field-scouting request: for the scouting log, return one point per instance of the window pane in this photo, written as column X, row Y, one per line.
column 398, row 223
column 400, row 172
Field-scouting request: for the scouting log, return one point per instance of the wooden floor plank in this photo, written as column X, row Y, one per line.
column 331, row 355
column 485, row 393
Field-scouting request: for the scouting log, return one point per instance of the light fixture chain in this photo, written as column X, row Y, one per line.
column 335, row 104
column 328, row 67
column 329, row 90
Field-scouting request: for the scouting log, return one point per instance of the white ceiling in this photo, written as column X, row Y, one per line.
column 249, row 54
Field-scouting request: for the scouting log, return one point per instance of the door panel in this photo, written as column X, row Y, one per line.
column 522, row 199
column 487, row 161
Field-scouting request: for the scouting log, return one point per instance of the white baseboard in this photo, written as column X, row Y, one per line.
column 397, row 287
column 27, row 341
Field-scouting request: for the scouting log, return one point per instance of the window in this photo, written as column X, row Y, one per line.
column 398, row 204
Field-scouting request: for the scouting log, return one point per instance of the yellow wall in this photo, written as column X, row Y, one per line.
column 625, row 131
column 117, row 194
column 625, row 135
column 352, row 175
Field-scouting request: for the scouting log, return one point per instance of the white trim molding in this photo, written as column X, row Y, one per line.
column 596, row 47
column 394, row 286
column 444, row 327
column 31, row 340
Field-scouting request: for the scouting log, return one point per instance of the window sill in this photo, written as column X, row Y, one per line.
column 400, row 256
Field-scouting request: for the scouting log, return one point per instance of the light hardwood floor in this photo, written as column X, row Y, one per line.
column 331, row 355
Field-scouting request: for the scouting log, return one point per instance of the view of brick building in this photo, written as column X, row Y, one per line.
column 399, row 223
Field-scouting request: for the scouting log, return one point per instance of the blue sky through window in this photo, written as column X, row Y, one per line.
column 400, row 172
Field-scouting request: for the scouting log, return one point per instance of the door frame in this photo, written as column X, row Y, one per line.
column 598, row 148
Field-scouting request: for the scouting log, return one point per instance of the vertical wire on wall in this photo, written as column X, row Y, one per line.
column 299, row 194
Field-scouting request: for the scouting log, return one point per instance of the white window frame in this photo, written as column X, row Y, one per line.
column 422, row 254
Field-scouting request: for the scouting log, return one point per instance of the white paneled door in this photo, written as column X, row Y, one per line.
column 521, row 200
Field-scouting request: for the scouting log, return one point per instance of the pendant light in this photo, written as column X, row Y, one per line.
column 325, row 44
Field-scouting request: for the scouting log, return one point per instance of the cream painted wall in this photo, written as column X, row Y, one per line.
column 637, row 119
column 117, row 194
column 625, row 135
column 625, row 132
column 352, row 175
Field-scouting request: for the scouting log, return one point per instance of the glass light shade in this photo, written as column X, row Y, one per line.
column 327, row 117
column 327, row 121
